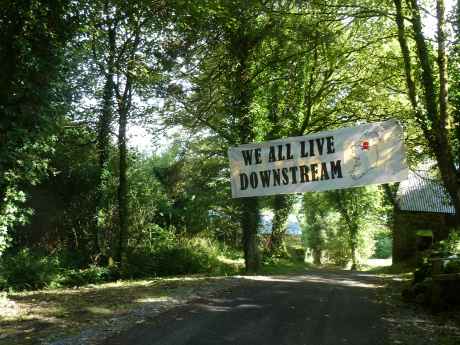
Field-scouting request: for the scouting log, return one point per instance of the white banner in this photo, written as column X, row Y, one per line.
column 348, row 157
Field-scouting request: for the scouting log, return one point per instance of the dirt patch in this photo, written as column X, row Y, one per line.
column 412, row 324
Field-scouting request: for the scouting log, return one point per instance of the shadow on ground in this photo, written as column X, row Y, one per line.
column 317, row 308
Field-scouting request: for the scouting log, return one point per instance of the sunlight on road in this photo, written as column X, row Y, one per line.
column 154, row 299
column 353, row 281
column 270, row 279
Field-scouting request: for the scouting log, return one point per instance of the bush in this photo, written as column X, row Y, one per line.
column 32, row 270
column 452, row 267
column 183, row 257
column 383, row 246
column 92, row 275
column 449, row 246
column 27, row 270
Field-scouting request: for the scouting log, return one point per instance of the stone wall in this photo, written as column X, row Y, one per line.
column 405, row 227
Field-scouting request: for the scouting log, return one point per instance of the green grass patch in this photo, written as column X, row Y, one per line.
column 284, row 266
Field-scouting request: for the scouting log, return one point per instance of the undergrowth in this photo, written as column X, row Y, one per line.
column 35, row 269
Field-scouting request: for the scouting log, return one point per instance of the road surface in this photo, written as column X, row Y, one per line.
column 318, row 308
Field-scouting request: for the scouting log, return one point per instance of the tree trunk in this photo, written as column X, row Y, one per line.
column 353, row 246
column 406, row 58
column 249, row 222
column 438, row 135
column 316, row 252
column 122, row 186
column 442, row 62
column 455, row 97
column 242, row 93
column 282, row 206
column 436, row 131
column 103, row 141
column 124, row 107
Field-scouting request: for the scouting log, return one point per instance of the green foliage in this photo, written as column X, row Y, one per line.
column 63, row 202
column 31, row 167
column 337, row 249
column 237, row 72
column 278, row 266
column 177, row 257
column 383, row 245
column 32, row 42
column 335, row 222
column 91, row 275
column 28, row 270
column 34, row 269
column 452, row 267
column 452, row 244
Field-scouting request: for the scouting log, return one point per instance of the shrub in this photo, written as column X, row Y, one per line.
column 32, row 270
column 92, row 275
column 452, row 267
column 185, row 256
column 28, row 270
column 452, row 244
column 383, row 246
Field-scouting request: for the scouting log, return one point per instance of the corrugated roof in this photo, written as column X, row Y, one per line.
column 423, row 193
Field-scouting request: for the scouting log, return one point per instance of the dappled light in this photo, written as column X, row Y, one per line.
column 43, row 312
column 229, row 172
column 356, row 280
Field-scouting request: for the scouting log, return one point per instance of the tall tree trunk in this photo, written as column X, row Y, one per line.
column 242, row 100
column 317, row 253
column 124, row 107
column 442, row 62
column 436, row 131
column 407, row 61
column 455, row 98
column 122, row 186
column 249, row 222
column 351, row 223
column 353, row 245
column 438, row 134
column 282, row 206
column 103, row 141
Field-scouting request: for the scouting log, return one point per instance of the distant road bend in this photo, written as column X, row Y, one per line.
column 318, row 308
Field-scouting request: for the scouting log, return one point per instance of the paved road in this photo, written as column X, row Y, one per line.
column 313, row 309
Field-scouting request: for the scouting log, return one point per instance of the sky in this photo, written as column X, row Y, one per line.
column 430, row 20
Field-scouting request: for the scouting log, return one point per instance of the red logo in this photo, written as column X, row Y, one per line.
column 365, row 145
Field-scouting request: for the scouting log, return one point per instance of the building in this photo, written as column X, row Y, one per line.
column 423, row 209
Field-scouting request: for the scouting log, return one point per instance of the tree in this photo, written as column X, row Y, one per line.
column 316, row 211
column 320, row 72
column 282, row 206
column 123, row 40
column 226, row 41
column 356, row 207
column 33, row 38
column 431, row 109
column 103, row 37
column 339, row 225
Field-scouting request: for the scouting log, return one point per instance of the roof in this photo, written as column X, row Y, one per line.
column 421, row 192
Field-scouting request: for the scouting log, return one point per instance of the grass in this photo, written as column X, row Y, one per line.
column 284, row 266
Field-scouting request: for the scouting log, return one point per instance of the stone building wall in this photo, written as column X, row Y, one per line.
column 405, row 226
